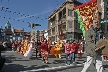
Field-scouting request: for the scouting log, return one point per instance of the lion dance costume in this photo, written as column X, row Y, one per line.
column 56, row 50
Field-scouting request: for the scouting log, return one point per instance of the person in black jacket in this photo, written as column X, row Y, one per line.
column 2, row 60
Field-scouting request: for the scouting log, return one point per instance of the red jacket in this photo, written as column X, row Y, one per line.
column 77, row 45
column 44, row 47
column 73, row 47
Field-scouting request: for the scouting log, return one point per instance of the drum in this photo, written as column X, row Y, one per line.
column 103, row 45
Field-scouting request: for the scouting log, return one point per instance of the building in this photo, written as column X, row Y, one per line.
column 37, row 35
column 8, row 32
column 104, row 10
column 63, row 17
column 1, row 34
column 17, row 34
column 46, row 34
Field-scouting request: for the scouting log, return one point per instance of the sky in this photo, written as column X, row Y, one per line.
column 22, row 12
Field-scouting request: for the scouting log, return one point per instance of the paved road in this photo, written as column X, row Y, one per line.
column 18, row 63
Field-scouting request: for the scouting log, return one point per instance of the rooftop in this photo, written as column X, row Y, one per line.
column 64, row 3
column 7, row 24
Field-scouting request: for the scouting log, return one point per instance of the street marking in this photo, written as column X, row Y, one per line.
column 52, row 68
column 7, row 51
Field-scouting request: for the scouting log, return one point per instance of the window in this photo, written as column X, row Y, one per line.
column 70, row 24
column 69, row 12
column 107, row 16
column 107, row 9
column 70, row 36
column 107, row 27
column 64, row 27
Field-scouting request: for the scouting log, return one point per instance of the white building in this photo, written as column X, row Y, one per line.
column 46, row 34
column 103, row 8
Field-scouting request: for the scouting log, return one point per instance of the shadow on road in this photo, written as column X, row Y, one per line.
column 20, row 68
column 60, row 70
column 9, row 67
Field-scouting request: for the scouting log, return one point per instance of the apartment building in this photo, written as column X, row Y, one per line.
column 59, row 19
column 103, row 8
column 37, row 35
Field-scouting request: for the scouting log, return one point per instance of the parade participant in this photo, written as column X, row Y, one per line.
column 19, row 47
column 44, row 51
column 67, row 51
column 16, row 45
column 59, row 46
column 91, row 37
column 39, row 48
column 29, row 52
column 80, row 50
column 13, row 46
column 5, row 44
column 49, row 44
column 73, row 47
column 57, row 50
column 25, row 45
column 22, row 46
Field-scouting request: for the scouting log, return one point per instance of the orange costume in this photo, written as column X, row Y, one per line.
column 25, row 46
column 22, row 46
column 57, row 50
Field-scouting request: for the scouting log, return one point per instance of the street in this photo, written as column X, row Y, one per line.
column 18, row 63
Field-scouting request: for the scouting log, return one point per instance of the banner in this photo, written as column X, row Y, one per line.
column 85, row 14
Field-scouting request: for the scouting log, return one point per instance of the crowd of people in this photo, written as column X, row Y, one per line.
column 45, row 48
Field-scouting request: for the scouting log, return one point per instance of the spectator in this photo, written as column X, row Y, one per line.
column 2, row 60
column 67, row 51
column 73, row 51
